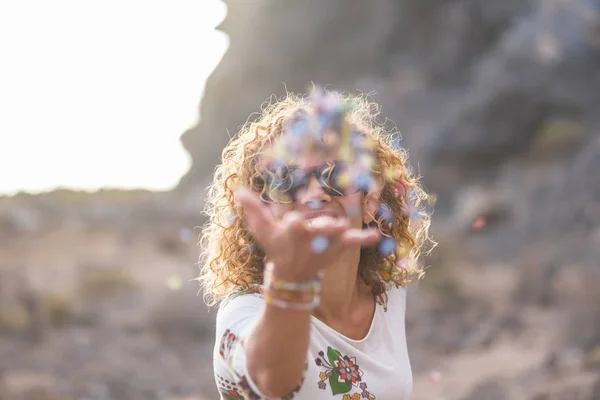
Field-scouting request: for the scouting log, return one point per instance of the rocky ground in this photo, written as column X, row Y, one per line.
column 95, row 303
column 95, row 299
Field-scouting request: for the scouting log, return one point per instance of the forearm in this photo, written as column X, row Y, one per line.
column 276, row 349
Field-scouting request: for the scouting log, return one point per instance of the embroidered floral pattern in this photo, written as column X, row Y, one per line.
column 229, row 390
column 236, row 391
column 238, row 387
column 382, row 300
column 343, row 374
column 228, row 340
column 251, row 289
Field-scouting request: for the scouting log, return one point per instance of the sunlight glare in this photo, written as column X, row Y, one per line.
column 97, row 94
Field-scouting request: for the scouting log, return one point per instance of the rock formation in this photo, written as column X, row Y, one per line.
column 497, row 96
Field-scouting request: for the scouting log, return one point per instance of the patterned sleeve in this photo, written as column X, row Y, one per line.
column 235, row 320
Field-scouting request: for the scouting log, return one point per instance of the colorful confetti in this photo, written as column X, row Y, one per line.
column 230, row 218
column 435, row 376
column 185, row 235
column 174, row 282
column 387, row 246
column 319, row 244
column 387, row 215
column 315, row 205
column 478, row 223
column 323, row 131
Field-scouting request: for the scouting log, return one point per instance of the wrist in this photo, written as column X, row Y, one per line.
column 286, row 271
column 291, row 294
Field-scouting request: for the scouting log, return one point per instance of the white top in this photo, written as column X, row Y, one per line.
column 375, row 367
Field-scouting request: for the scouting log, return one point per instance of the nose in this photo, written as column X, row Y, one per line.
column 313, row 193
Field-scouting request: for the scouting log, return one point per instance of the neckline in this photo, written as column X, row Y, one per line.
column 317, row 321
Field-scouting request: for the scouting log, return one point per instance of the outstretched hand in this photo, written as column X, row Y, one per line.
column 299, row 247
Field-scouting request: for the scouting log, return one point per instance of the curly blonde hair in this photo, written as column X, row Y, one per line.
column 230, row 259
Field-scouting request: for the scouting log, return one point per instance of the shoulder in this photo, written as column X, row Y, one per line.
column 245, row 301
column 235, row 316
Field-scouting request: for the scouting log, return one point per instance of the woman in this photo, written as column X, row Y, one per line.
column 315, row 225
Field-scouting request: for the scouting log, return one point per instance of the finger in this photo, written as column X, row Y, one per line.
column 293, row 221
column 258, row 218
column 360, row 236
column 326, row 226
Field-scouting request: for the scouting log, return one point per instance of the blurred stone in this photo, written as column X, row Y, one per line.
column 30, row 385
column 596, row 390
column 478, row 202
column 180, row 316
column 582, row 386
column 488, row 390
column 13, row 318
column 513, row 91
column 557, row 137
column 24, row 219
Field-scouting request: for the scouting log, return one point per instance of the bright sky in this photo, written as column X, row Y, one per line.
column 96, row 93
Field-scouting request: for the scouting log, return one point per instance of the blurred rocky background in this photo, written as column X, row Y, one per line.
column 499, row 105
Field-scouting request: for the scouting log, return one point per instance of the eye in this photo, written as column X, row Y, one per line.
column 258, row 182
column 281, row 178
column 260, row 185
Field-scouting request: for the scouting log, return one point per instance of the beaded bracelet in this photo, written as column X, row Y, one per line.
column 295, row 295
column 294, row 306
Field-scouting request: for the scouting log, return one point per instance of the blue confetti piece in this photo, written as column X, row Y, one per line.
column 230, row 218
column 299, row 128
column 314, row 205
column 364, row 182
column 387, row 246
column 185, row 235
column 386, row 215
column 324, row 121
column 357, row 141
column 396, row 143
column 319, row 244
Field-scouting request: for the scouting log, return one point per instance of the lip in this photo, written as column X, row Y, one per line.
column 322, row 213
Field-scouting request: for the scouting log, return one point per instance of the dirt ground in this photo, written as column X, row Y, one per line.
column 96, row 303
